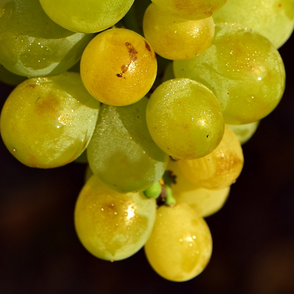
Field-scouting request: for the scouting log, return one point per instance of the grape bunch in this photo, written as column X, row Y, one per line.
column 156, row 98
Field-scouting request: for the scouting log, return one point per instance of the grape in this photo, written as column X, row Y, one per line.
column 176, row 38
column 48, row 121
column 111, row 225
column 243, row 69
column 32, row 45
column 274, row 19
column 180, row 244
column 118, row 67
column 88, row 16
column 244, row 132
column 121, row 152
column 205, row 201
column 220, row 168
column 184, row 119
column 190, row 9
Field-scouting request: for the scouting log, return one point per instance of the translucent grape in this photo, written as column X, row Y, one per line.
column 32, row 45
column 205, row 201
column 180, row 245
column 48, row 122
column 176, row 38
column 244, row 132
column 121, row 152
column 184, row 119
column 110, row 225
column 243, row 69
column 88, row 16
column 220, row 168
column 274, row 19
column 118, row 67
column 190, row 9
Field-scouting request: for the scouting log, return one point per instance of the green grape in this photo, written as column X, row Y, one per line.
column 190, row 9
column 244, row 132
column 274, row 19
column 220, row 168
column 176, row 38
column 88, row 16
column 48, row 122
column 32, row 45
column 121, row 152
column 184, row 119
column 118, row 67
column 154, row 191
column 180, row 245
column 205, row 201
column 243, row 69
column 10, row 78
column 110, row 225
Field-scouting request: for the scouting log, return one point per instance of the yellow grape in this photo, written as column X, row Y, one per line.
column 180, row 245
column 205, row 201
column 220, row 168
column 111, row 225
column 175, row 38
column 190, row 9
column 118, row 67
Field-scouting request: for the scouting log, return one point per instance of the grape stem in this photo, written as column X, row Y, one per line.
column 168, row 180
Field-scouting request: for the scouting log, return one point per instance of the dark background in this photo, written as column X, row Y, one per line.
column 253, row 234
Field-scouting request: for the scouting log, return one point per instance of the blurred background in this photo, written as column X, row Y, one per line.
column 253, row 233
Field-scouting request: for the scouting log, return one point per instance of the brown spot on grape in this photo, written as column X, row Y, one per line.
column 147, row 46
column 132, row 51
column 48, row 105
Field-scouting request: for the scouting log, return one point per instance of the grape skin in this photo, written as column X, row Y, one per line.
column 184, row 119
column 32, row 45
column 121, row 152
column 274, row 19
column 180, row 245
column 118, row 67
column 220, row 168
column 190, row 9
column 176, row 38
column 88, row 16
column 48, row 122
column 205, row 201
column 243, row 69
column 113, row 226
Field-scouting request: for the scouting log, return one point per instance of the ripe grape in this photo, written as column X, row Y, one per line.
column 48, row 122
column 118, row 67
column 32, row 45
column 220, row 168
column 271, row 18
column 180, row 245
column 176, row 38
column 243, row 69
column 184, row 119
column 205, row 201
column 88, row 16
column 111, row 225
column 190, row 9
column 121, row 152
